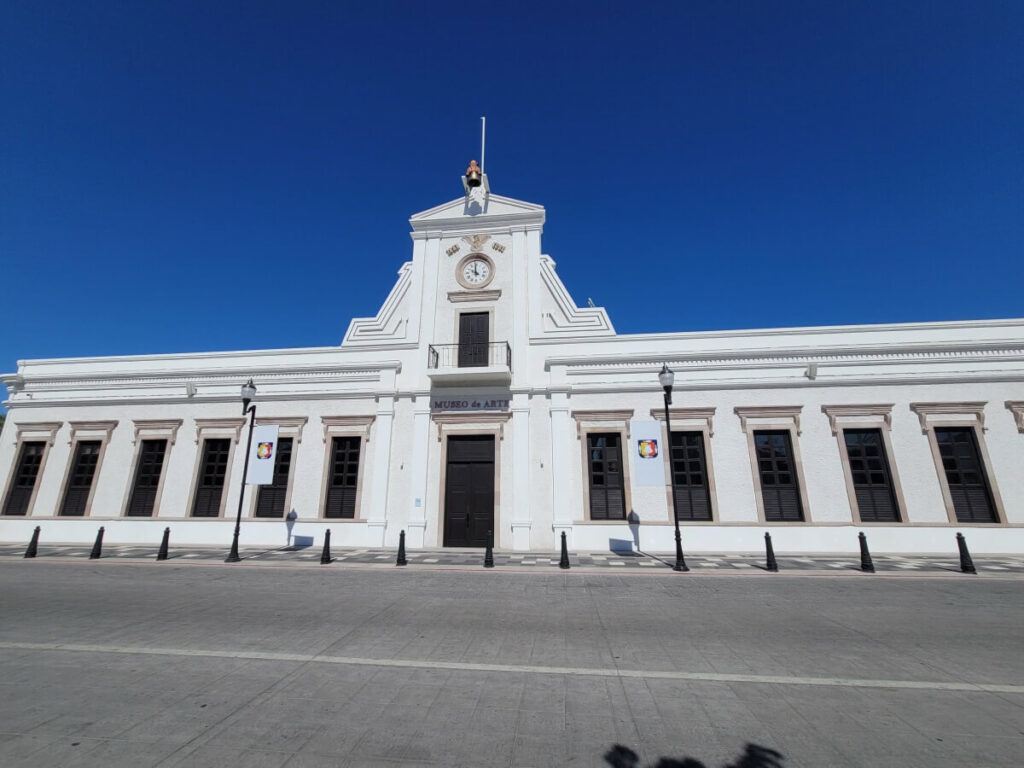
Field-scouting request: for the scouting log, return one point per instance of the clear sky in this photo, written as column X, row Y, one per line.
column 191, row 176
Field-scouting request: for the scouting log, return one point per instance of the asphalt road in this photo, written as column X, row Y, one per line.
column 116, row 664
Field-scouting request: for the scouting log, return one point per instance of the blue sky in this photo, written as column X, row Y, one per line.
column 201, row 176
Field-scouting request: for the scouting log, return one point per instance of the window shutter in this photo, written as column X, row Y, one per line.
column 271, row 498
column 965, row 475
column 780, row 490
column 689, row 474
column 83, row 468
column 872, row 479
column 147, row 478
column 342, row 483
column 212, row 472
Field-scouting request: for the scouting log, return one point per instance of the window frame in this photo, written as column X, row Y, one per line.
column 29, row 432
column 785, row 418
column 150, row 429
column 960, row 414
column 867, row 416
column 206, row 429
column 343, row 426
column 291, row 427
column 689, row 420
column 85, row 431
column 603, row 422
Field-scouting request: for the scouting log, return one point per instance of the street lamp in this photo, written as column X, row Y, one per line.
column 667, row 378
column 248, row 393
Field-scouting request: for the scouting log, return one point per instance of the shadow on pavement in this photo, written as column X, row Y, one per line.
column 754, row 756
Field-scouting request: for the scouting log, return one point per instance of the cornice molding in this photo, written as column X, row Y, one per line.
column 775, row 412
column 46, row 430
column 347, row 425
column 105, row 427
column 230, row 425
column 167, row 428
column 925, row 412
column 473, row 419
column 460, row 297
column 618, row 417
column 291, row 426
column 835, row 412
column 678, row 415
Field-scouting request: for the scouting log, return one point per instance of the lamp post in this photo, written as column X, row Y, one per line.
column 667, row 378
column 248, row 393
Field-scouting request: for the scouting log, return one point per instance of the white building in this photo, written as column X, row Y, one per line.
column 482, row 397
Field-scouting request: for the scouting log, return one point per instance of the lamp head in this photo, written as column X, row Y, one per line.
column 248, row 393
column 666, row 377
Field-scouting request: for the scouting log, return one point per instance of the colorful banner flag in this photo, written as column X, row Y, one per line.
column 262, row 454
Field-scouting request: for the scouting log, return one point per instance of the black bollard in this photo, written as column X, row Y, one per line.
column 164, row 543
column 33, row 546
column 97, row 547
column 769, row 552
column 325, row 556
column 401, row 549
column 564, row 562
column 865, row 557
column 966, row 564
column 489, row 552
column 680, row 565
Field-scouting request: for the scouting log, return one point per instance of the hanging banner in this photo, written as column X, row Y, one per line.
column 647, row 453
column 262, row 455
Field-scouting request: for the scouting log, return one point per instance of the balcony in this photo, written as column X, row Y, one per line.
column 489, row 363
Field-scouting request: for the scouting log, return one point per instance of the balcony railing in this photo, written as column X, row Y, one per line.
column 496, row 354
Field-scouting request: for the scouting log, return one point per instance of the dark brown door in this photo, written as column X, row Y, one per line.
column 872, row 481
column 343, row 480
column 83, row 469
column 271, row 498
column 212, row 473
column 29, row 461
column 779, row 488
column 965, row 475
column 607, row 489
column 469, row 491
column 147, row 478
column 689, row 473
column 474, row 338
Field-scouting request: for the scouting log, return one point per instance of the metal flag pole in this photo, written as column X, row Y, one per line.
column 483, row 143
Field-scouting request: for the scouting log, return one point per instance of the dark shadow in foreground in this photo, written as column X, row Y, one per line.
column 754, row 756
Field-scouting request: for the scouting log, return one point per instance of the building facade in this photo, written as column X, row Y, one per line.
column 483, row 400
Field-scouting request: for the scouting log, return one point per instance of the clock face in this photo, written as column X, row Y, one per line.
column 475, row 272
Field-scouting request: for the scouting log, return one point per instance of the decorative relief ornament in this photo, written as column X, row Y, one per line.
column 476, row 242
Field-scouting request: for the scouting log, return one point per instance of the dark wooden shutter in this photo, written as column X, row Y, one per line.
column 271, row 498
column 83, row 469
column 474, row 337
column 872, row 480
column 780, row 490
column 25, row 475
column 343, row 478
column 965, row 475
column 213, row 471
column 607, row 489
column 689, row 474
column 147, row 478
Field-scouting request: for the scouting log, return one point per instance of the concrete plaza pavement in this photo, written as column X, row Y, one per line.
column 124, row 664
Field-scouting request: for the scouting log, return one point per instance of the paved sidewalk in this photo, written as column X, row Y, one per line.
column 726, row 563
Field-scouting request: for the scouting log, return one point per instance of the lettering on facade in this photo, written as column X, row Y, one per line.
column 498, row 247
column 485, row 403
column 453, row 250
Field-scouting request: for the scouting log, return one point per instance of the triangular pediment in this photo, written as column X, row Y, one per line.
column 478, row 209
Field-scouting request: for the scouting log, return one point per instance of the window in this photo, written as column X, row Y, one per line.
column 271, row 499
column 607, row 489
column 965, row 475
column 870, row 475
column 343, row 477
column 690, row 477
column 147, row 478
column 83, row 470
column 213, row 471
column 780, row 490
column 30, row 459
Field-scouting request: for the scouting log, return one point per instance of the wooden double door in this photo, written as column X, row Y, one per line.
column 469, row 491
